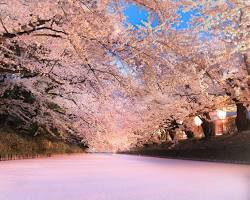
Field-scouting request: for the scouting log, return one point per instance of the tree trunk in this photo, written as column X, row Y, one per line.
column 242, row 122
column 172, row 135
column 247, row 63
column 207, row 125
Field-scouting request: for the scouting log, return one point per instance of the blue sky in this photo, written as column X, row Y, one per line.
column 185, row 18
column 136, row 14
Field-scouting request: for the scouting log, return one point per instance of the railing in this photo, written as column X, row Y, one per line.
column 6, row 157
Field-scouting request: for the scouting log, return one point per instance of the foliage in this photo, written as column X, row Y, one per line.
column 18, row 144
column 19, row 93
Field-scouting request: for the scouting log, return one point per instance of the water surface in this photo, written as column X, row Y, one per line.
column 121, row 177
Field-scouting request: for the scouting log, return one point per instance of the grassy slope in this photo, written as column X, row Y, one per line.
column 231, row 148
column 13, row 143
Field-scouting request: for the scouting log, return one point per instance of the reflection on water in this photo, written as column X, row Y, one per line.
column 122, row 177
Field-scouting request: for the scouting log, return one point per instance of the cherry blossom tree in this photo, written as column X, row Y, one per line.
column 74, row 69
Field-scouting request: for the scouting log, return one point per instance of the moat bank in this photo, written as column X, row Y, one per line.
column 233, row 148
column 20, row 146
